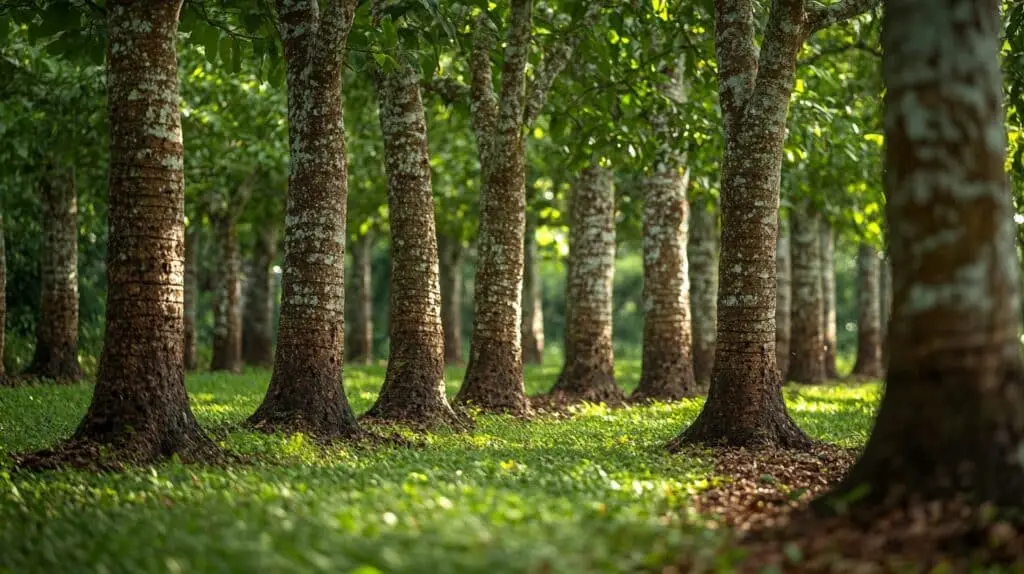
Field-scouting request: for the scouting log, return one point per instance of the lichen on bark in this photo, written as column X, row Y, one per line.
column 589, row 372
column 414, row 385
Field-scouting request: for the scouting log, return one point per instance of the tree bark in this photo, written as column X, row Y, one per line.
column 227, row 297
column 305, row 392
column 885, row 305
column 139, row 407
column 807, row 342
column 745, row 404
column 258, row 324
column 783, row 298
column 828, row 285
column 451, row 257
column 3, row 302
column 589, row 373
column 955, row 392
column 56, row 352
column 702, row 252
column 869, row 330
column 360, row 350
column 414, row 386
column 191, row 295
column 494, row 375
column 533, row 301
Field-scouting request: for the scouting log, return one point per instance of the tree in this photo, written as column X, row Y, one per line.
column 305, row 392
column 885, row 305
column 745, row 404
column 494, row 375
column 589, row 371
column 783, row 298
column 190, row 289
column 451, row 254
column 806, row 340
column 56, row 352
column 414, row 386
column 954, row 392
column 361, row 338
column 533, row 298
column 702, row 255
column 227, row 290
column 869, row 330
column 3, row 301
column 258, row 320
column 828, row 287
column 139, row 407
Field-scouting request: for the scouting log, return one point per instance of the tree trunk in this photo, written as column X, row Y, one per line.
column 807, row 344
column 227, row 297
column 414, row 387
column 869, row 330
column 3, row 302
column 885, row 305
column 702, row 252
column 828, row 286
column 494, row 375
column 667, row 365
column 589, row 373
column 955, row 389
column 56, row 353
column 451, row 255
column 191, row 295
column 305, row 392
column 533, row 309
column 360, row 349
column 139, row 407
column 258, row 324
column 783, row 298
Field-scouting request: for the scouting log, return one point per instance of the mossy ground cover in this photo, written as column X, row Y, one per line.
column 595, row 492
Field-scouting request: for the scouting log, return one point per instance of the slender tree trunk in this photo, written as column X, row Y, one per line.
column 227, row 300
column 807, row 341
column 139, row 407
column 828, row 286
column 533, row 308
column 885, row 305
column 3, row 302
column 783, row 298
column 667, row 365
column 360, row 346
column 56, row 352
column 258, row 324
column 589, row 373
column 702, row 252
column 191, row 295
column 451, row 255
column 954, row 393
column 869, row 330
column 414, row 387
column 305, row 392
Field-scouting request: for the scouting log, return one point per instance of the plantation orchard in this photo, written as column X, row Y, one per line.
column 511, row 286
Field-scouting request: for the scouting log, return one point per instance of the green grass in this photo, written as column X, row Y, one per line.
column 596, row 493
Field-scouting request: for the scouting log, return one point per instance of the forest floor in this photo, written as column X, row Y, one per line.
column 594, row 492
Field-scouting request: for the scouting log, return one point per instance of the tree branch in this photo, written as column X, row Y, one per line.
column 736, row 55
column 859, row 45
column 513, row 71
column 448, row 89
column 555, row 60
column 483, row 100
column 820, row 16
column 334, row 28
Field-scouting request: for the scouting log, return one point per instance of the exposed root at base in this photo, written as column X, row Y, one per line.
column 117, row 456
column 419, row 419
column 559, row 402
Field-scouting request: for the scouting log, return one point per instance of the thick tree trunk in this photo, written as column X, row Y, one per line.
column 533, row 302
column 589, row 373
column 191, row 295
column 494, row 375
column 414, row 387
column 783, row 298
column 56, row 353
column 451, row 255
column 305, row 392
column 360, row 342
column 3, row 302
column 828, row 286
column 227, row 297
column 955, row 390
column 667, row 366
column 258, row 324
column 869, row 330
column 139, row 407
column 807, row 342
column 702, row 253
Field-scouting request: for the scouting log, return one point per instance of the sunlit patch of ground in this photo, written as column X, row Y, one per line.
column 596, row 492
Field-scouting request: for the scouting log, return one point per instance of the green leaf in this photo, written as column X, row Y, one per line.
column 225, row 48
column 236, row 56
column 211, row 40
column 389, row 34
column 386, row 62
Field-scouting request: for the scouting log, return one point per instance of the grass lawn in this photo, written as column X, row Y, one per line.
column 594, row 493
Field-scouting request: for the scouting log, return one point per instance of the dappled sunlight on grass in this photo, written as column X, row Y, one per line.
column 594, row 492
